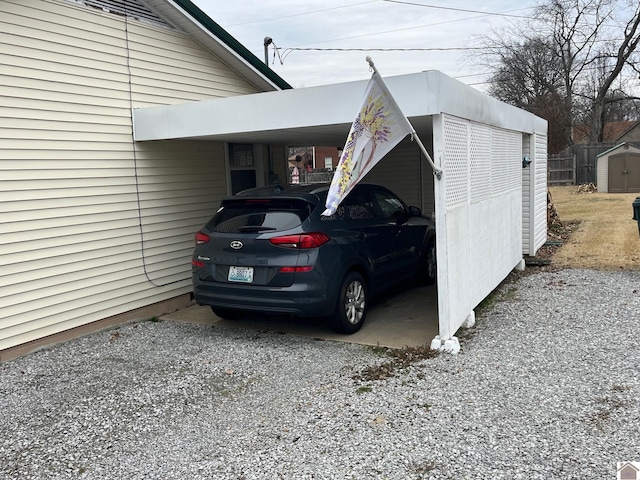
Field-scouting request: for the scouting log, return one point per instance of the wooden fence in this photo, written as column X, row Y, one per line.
column 562, row 170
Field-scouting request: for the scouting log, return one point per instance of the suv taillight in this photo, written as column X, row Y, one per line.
column 302, row 241
column 202, row 238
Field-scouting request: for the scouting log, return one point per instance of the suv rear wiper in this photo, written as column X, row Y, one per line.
column 256, row 228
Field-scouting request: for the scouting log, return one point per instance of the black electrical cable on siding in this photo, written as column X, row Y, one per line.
column 135, row 160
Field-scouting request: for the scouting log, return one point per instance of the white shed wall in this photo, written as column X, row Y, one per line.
column 534, row 194
column 478, row 207
column 84, row 215
column 539, row 194
column 527, row 196
column 602, row 174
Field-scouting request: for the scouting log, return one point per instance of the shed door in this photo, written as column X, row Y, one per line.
column 624, row 173
column 633, row 175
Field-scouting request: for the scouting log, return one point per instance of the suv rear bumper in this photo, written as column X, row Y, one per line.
column 300, row 299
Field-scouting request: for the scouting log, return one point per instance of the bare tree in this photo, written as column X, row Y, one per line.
column 571, row 52
column 530, row 77
column 574, row 27
column 622, row 57
column 620, row 102
column 524, row 76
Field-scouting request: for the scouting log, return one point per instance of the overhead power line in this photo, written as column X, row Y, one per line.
column 283, row 53
column 300, row 14
column 432, row 49
column 455, row 9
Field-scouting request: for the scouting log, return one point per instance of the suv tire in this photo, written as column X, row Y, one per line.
column 352, row 306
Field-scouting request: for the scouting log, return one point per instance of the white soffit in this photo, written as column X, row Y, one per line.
column 323, row 114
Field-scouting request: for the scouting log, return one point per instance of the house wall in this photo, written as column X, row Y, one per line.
column 400, row 171
column 93, row 225
column 325, row 152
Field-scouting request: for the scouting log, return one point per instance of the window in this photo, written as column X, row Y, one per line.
column 240, row 155
column 240, row 216
column 390, row 205
column 242, row 169
column 357, row 206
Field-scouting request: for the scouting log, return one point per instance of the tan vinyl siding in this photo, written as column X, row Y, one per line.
column 92, row 227
column 400, row 172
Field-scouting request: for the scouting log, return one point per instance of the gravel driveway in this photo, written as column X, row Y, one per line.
column 547, row 386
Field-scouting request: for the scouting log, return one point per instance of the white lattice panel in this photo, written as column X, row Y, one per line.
column 480, row 162
column 456, row 161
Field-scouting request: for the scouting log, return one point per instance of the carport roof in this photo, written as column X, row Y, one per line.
column 323, row 115
column 625, row 145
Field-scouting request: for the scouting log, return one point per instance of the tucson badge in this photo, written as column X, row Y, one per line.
column 236, row 245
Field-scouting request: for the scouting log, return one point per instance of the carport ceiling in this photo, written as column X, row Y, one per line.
column 325, row 135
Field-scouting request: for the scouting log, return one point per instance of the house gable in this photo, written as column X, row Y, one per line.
column 189, row 18
column 613, row 132
column 186, row 17
column 632, row 134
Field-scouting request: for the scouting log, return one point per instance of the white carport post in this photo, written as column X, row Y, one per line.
column 445, row 339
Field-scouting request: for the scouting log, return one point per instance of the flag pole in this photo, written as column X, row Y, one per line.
column 436, row 171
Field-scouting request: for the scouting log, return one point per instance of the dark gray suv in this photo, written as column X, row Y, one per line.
column 270, row 250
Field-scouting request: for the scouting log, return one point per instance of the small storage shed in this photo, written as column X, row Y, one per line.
column 618, row 169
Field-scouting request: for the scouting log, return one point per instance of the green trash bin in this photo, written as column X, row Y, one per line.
column 636, row 212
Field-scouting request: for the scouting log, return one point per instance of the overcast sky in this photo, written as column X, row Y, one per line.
column 368, row 25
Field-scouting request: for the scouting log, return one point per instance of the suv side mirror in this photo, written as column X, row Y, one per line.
column 415, row 211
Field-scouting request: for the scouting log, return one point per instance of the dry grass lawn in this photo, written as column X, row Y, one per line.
column 606, row 237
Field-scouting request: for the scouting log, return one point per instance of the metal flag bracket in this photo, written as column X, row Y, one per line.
column 414, row 136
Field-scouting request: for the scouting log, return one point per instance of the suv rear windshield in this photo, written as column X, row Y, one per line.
column 259, row 215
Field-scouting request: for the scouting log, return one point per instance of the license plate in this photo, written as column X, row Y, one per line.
column 240, row 274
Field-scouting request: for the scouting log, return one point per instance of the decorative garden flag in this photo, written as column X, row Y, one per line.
column 378, row 127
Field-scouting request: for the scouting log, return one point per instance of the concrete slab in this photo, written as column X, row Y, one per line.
column 405, row 317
